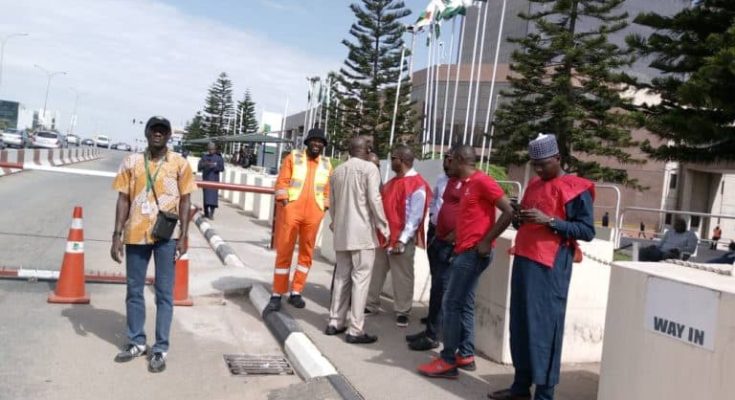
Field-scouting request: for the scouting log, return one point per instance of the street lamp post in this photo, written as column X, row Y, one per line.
column 49, row 75
column 3, row 40
column 73, row 122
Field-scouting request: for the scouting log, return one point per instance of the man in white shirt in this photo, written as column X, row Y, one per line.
column 405, row 200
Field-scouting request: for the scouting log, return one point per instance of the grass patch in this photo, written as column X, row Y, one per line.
column 620, row 256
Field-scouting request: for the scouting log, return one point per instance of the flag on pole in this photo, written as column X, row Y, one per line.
column 430, row 14
column 454, row 7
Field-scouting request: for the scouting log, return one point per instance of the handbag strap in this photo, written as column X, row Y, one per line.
column 151, row 181
column 156, row 197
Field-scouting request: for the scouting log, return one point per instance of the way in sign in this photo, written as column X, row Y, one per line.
column 676, row 330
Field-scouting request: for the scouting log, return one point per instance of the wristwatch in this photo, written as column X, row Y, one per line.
column 550, row 224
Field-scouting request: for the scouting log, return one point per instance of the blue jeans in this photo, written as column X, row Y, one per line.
column 458, row 306
column 439, row 252
column 137, row 258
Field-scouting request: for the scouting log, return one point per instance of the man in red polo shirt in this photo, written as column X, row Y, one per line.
column 448, row 193
column 476, row 231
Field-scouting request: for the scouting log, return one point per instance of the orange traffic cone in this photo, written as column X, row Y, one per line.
column 181, row 282
column 181, row 274
column 70, row 286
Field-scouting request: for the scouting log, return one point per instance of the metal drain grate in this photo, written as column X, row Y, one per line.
column 246, row 364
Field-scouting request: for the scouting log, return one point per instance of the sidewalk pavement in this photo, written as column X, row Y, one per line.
column 54, row 351
column 386, row 369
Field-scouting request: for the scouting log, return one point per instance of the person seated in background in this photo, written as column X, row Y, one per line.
column 675, row 242
column 727, row 258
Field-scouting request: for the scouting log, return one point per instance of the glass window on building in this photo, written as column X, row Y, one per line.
column 673, row 181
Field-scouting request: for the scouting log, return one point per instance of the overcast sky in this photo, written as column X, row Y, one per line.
column 136, row 58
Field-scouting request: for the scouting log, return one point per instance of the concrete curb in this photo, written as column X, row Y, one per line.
column 220, row 247
column 305, row 357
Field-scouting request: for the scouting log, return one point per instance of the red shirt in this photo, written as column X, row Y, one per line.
column 476, row 214
column 447, row 218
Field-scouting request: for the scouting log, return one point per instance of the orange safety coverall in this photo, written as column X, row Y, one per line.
column 300, row 217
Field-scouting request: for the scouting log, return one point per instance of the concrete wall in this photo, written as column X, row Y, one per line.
column 640, row 364
column 586, row 305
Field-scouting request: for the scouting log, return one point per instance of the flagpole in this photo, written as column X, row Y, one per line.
column 479, row 76
column 456, row 78
column 395, row 104
column 326, row 120
column 315, row 105
column 492, row 84
column 314, row 101
column 472, row 75
column 427, row 80
column 446, row 88
column 436, row 97
column 413, row 32
column 398, row 96
column 431, row 91
column 306, row 112
column 484, row 138
column 283, row 128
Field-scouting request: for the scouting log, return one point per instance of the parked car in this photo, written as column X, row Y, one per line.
column 47, row 140
column 87, row 142
column 73, row 139
column 113, row 146
column 124, row 147
column 16, row 138
column 102, row 141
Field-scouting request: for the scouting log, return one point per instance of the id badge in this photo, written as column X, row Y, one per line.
column 145, row 209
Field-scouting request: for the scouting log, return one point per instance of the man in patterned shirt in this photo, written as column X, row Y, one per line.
column 146, row 182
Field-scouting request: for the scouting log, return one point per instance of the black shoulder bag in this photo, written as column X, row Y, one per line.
column 163, row 228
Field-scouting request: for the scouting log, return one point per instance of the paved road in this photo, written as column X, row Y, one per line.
column 36, row 213
column 65, row 352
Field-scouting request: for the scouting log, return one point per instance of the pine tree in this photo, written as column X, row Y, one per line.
column 337, row 135
column 249, row 122
column 218, row 111
column 195, row 128
column 695, row 51
column 567, row 81
column 369, row 76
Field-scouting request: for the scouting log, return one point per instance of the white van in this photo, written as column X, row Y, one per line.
column 102, row 141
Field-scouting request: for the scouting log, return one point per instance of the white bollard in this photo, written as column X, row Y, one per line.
column 248, row 198
column 237, row 179
column 229, row 178
column 263, row 204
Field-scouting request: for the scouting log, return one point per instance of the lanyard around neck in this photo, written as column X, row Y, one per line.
column 151, row 180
